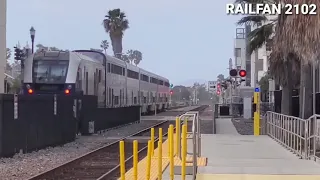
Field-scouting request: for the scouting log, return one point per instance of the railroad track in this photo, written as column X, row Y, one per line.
column 103, row 163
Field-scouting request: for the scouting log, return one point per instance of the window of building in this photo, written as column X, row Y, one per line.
column 237, row 52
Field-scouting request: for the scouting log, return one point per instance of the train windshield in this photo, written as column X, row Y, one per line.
column 50, row 71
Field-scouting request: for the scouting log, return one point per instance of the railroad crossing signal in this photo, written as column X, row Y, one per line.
column 235, row 72
column 242, row 73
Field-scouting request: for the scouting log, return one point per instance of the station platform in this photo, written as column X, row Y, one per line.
column 228, row 155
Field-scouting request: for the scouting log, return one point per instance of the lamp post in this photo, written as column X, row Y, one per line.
column 32, row 35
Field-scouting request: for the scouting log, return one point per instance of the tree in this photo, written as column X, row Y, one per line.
column 300, row 35
column 104, row 45
column 220, row 77
column 134, row 56
column 115, row 24
column 8, row 55
column 125, row 58
column 41, row 47
column 180, row 93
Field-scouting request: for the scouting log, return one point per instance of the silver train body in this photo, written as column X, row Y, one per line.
column 115, row 82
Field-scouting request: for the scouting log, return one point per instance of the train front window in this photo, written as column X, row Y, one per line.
column 50, row 71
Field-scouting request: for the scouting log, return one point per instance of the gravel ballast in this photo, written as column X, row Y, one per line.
column 24, row 166
column 243, row 126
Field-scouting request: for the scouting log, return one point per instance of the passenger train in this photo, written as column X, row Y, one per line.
column 115, row 82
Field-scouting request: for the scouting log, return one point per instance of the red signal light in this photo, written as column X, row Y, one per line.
column 30, row 91
column 242, row 73
column 218, row 92
column 171, row 92
column 67, row 91
column 218, row 86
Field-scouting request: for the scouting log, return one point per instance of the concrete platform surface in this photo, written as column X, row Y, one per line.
column 236, row 154
column 225, row 126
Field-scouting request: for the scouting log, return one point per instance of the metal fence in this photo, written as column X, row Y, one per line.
column 301, row 136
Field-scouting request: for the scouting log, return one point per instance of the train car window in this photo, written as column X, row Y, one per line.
column 135, row 100
column 120, row 97
column 116, row 69
column 132, row 74
column 123, row 71
column 116, row 100
column 99, row 76
column 144, row 99
column 160, row 82
column 131, row 97
column 112, row 98
column 109, row 67
column 144, row 78
column 84, row 72
column 87, row 85
column 154, row 80
column 166, row 84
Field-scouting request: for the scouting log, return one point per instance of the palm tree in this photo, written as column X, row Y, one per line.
column 137, row 57
column 130, row 55
column 134, row 56
column 125, row 58
column 300, row 34
column 115, row 24
column 104, row 45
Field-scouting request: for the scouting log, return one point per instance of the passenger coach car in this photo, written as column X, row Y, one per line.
column 115, row 82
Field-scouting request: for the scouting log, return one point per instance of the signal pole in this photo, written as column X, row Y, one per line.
column 235, row 73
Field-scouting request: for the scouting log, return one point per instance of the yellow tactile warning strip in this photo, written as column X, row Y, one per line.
column 142, row 165
column 202, row 161
column 255, row 177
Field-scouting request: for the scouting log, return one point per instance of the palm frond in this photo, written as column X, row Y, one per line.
column 254, row 20
column 259, row 36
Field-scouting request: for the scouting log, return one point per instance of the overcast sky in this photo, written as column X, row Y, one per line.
column 183, row 40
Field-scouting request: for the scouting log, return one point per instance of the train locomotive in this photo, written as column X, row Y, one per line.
column 88, row 72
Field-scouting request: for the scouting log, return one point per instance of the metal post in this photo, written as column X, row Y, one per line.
column 313, row 88
column 303, row 101
column 231, row 98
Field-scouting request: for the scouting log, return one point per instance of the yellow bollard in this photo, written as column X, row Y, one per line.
column 169, row 141
column 122, row 161
column 178, row 136
column 148, row 160
column 171, row 152
column 160, row 160
column 135, row 160
column 152, row 141
column 160, row 135
column 184, row 152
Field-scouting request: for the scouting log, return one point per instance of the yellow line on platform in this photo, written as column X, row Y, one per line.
column 255, row 177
